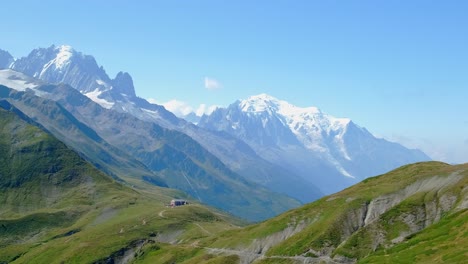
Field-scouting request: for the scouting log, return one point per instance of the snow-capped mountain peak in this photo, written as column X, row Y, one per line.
column 309, row 127
column 297, row 118
column 307, row 140
column 63, row 64
column 259, row 103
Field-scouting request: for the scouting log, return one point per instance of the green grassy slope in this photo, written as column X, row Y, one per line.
column 417, row 213
column 57, row 208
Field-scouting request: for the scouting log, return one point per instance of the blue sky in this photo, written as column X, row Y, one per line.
column 398, row 68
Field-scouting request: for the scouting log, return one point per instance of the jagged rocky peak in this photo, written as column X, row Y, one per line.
column 40, row 60
column 123, row 83
column 63, row 64
column 5, row 59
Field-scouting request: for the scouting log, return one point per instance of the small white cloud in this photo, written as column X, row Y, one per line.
column 178, row 108
column 212, row 84
column 182, row 109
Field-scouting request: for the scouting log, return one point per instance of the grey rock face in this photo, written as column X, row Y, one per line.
column 5, row 59
column 123, row 84
column 62, row 64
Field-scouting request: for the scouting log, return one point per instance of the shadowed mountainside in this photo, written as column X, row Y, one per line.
column 54, row 206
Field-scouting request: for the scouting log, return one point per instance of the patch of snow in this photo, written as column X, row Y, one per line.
column 17, row 80
column 339, row 125
column 264, row 122
column 149, row 111
column 101, row 82
column 152, row 114
column 94, row 95
column 63, row 57
column 60, row 61
column 11, row 63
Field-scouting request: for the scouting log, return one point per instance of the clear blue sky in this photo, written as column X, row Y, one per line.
column 398, row 68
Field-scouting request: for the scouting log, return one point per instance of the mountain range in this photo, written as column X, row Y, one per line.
column 87, row 170
column 299, row 152
column 232, row 152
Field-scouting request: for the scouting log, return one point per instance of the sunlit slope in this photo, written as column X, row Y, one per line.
column 417, row 213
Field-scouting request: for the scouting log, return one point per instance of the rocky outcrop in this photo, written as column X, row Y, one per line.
column 127, row 254
column 389, row 219
column 383, row 203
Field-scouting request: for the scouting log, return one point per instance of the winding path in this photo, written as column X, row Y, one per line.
column 161, row 214
column 203, row 229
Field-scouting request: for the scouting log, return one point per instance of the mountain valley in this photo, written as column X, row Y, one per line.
column 88, row 171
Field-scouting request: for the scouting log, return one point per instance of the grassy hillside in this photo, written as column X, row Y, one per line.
column 415, row 214
column 57, row 208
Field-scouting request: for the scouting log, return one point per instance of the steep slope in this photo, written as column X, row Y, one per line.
column 56, row 207
column 5, row 59
column 177, row 159
column 77, row 135
column 331, row 152
column 414, row 214
column 63, row 64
